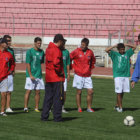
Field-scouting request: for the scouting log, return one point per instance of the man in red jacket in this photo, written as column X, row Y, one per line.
column 54, row 93
column 84, row 61
column 5, row 59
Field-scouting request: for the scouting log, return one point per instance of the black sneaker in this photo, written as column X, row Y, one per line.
column 3, row 114
column 116, row 108
column 26, row 110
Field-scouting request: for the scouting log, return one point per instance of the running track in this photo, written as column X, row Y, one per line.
column 98, row 71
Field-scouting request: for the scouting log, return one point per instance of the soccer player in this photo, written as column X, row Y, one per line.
column 84, row 61
column 5, row 59
column 66, row 63
column 10, row 76
column 121, row 70
column 34, row 81
column 54, row 92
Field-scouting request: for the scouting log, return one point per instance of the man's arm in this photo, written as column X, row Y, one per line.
column 136, row 74
column 57, row 62
column 68, row 72
column 110, row 48
column 93, row 61
column 12, row 65
column 131, row 46
column 29, row 71
column 28, row 61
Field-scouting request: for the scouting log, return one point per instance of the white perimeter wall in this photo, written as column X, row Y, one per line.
column 77, row 41
column 70, row 41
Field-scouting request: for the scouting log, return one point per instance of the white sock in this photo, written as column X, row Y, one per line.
column 62, row 107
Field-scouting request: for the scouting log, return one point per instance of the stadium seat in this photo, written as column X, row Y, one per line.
column 85, row 17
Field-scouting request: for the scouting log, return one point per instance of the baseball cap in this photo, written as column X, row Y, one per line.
column 58, row 37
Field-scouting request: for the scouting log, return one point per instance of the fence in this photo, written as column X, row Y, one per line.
column 20, row 55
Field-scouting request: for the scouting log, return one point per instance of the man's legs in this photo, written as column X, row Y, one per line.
column 8, row 97
column 8, row 94
column 47, row 101
column 65, row 89
column 3, row 101
column 119, row 100
column 37, row 99
column 63, row 109
column 26, row 100
column 78, row 99
column 89, row 98
column 58, row 99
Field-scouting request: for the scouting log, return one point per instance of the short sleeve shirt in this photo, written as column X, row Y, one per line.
column 35, row 58
column 66, row 60
column 121, row 63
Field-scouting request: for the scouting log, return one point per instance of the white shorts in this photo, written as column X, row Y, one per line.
column 36, row 84
column 4, row 85
column 10, row 83
column 65, row 85
column 82, row 82
column 122, row 84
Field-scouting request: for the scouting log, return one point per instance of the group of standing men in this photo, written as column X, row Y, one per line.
column 55, row 57
column 57, row 60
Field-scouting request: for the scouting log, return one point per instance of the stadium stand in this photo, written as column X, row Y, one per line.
column 73, row 18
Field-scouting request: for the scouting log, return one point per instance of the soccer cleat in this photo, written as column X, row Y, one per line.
column 26, row 110
column 80, row 110
column 64, row 111
column 90, row 110
column 120, row 110
column 116, row 108
column 9, row 110
column 3, row 114
column 36, row 110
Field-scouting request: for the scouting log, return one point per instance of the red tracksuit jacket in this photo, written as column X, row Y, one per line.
column 54, row 64
column 83, row 63
column 5, row 58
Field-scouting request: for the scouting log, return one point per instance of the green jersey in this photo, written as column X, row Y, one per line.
column 9, row 49
column 66, row 60
column 35, row 59
column 121, row 63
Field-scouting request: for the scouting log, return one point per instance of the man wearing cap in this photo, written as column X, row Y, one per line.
column 5, row 58
column 54, row 92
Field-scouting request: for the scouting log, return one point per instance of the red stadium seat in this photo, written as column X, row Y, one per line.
column 90, row 18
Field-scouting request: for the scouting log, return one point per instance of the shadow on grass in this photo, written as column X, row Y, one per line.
column 131, row 109
column 69, row 118
column 64, row 119
column 20, row 108
column 84, row 109
column 17, row 111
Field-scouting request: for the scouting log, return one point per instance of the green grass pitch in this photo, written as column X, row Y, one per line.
column 103, row 124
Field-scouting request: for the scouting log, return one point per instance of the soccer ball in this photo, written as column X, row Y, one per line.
column 129, row 121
